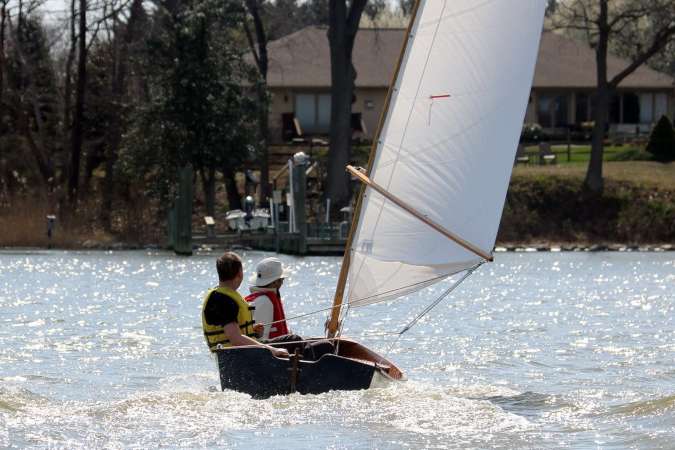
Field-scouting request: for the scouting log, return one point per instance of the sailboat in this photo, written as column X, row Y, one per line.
column 435, row 184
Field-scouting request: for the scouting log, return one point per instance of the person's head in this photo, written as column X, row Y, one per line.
column 230, row 269
column 276, row 284
column 269, row 273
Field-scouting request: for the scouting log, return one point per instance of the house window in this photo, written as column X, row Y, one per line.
column 615, row 109
column 552, row 111
column 631, row 108
column 323, row 113
column 646, row 108
column 582, row 108
column 313, row 112
column 660, row 105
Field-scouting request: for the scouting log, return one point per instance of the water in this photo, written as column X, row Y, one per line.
column 536, row 350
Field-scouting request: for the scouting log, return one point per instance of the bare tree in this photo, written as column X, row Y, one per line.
column 28, row 101
column 343, row 25
column 641, row 27
column 78, row 118
column 3, row 22
column 120, row 63
column 68, row 75
column 259, row 50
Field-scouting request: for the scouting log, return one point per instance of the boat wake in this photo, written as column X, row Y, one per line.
column 532, row 404
column 182, row 411
column 646, row 407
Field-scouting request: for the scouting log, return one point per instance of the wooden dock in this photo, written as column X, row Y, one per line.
column 288, row 243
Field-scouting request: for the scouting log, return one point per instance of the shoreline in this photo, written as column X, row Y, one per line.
column 500, row 248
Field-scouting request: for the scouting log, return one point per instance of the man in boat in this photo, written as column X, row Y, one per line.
column 265, row 297
column 228, row 321
column 226, row 317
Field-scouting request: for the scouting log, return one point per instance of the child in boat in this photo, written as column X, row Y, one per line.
column 268, row 310
column 266, row 298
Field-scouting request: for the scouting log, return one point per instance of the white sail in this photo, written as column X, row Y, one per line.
column 447, row 144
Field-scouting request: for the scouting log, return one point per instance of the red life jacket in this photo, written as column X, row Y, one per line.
column 279, row 327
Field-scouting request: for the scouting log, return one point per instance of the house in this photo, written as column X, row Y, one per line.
column 299, row 81
column 564, row 80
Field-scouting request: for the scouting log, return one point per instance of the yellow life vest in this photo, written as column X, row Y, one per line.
column 215, row 334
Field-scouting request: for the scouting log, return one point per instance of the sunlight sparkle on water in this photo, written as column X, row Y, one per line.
column 557, row 350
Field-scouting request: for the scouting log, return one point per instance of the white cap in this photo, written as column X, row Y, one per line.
column 267, row 271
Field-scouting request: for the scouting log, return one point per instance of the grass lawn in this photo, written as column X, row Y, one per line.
column 644, row 173
column 582, row 153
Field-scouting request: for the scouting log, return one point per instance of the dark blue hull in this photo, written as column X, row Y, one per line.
column 257, row 372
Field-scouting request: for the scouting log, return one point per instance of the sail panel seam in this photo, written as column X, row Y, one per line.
column 419, row 23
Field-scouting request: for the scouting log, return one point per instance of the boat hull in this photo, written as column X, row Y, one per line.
column 255, row 371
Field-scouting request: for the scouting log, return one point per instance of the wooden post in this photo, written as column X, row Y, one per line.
column 276, row 202
column 171, row 227
column 299, row 204
column 183, row 244
column 294, row 369
column 210, row 226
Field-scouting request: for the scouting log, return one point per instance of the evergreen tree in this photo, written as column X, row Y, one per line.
column 662, row 141
column 197, row 112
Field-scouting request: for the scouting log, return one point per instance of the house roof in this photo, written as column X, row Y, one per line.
column 302, row 59
column 564, row 62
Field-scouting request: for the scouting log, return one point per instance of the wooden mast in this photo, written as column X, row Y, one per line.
column 333, row 323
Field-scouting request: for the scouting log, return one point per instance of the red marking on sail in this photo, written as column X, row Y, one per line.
column 433, row 97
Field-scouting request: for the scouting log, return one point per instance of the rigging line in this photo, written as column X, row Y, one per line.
column 341, row 324
column 356, row 302
column 407, row 124
column 414, row 152
column 431, row 306
column 392, row 291
column 303, row 341
column 312, row 339
column 460, row 13
column 419, row 84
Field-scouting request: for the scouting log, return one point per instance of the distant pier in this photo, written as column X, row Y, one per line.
column 288, row 243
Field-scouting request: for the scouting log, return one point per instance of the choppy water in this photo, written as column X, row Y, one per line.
column 542, row 350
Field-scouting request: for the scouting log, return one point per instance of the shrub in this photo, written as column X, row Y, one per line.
column 662, row 141
column 532, row 132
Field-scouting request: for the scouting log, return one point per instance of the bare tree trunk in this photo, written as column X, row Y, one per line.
column 652, row 28
column 4, row 184
column 3, row 12
column 44, row 167
column 208, row 177
column 594, row 181
column 118, row 93
column 259, row 49
column 68, row 87
column 233, row 198
column 80, row 93
column 263, row 155
column 29, row 101
column 342, row 29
